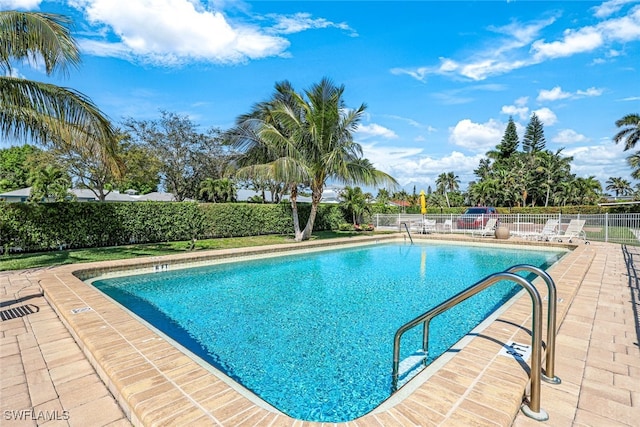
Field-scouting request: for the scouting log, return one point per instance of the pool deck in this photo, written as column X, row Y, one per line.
column 69, row 356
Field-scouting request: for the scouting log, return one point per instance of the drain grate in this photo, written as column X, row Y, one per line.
column 17, row 312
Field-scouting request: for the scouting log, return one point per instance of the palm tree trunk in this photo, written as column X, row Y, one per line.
column 294, row 212
column 316, row 195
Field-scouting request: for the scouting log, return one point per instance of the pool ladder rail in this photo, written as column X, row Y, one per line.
column 406, row 227
column 533, row 409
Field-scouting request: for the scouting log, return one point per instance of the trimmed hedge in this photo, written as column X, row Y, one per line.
column 41, row 227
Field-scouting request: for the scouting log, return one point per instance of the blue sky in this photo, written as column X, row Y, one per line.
column 440, row 79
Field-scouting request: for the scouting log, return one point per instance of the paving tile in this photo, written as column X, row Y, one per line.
column 97, row 413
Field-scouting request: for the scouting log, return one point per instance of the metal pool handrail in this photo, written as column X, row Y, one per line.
column 533, row 410
column 549, row 375
column 408, row 232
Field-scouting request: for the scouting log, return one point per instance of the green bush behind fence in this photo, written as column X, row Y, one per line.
column 39, row 227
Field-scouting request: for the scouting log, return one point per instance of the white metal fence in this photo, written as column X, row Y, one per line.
column 615, row 228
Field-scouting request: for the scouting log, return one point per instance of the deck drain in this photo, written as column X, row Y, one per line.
column 80, row 310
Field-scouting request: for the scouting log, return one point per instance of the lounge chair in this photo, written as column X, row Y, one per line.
column 574, row 229
column 447, row 225
column 549, row 230
column 488, row 230
column 429, row 225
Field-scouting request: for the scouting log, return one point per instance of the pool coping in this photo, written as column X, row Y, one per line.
column 156, row 383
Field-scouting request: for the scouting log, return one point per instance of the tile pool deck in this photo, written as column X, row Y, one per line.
column 101, row 367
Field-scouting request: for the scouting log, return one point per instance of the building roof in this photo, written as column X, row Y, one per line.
column 86, row 195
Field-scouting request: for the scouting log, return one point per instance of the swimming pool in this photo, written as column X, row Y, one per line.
column 319, row 347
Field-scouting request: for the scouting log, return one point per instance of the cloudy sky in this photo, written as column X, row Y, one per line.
column 440, row 79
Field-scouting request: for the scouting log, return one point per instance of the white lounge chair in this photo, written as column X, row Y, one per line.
column 488, row 229
column 429, row 225
column 447, row 225
column 549, row 230
column 574, row 229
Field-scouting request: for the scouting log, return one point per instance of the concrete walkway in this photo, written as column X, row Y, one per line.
column 45, row 378
column 598, row 356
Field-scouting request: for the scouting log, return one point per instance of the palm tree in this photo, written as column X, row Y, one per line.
column 50, row 184
column 634, row 162
column 218, row 190
column 447, row 182
column 305, row 139
column 631, row 132
column 354, row 201
column 620, row 186
column 40, row 112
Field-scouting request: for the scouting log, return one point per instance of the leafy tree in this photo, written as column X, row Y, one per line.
column 620, row 186
column 40, row 112
column 630, row 132
column 187, row 156
column 14, row 166
column 141, row 167
column 307, row 139
column 534, row 139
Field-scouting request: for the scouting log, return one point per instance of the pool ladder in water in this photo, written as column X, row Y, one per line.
column 533, row 409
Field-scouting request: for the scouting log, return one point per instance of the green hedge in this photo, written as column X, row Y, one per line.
column 38, row 227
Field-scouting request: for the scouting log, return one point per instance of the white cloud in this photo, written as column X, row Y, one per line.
column 568, row 136
column 478, row 137
column 557, row 93
column 374, row 130
column 599, row 160
column 19, row 4
column 608, row 8
column 553, row 94
column 546, row 116
column 175, row 32
column 520, row 48
column 289, row 24
column 411, row 166
column 513, row 110
column 574, row 41
column 592, row 91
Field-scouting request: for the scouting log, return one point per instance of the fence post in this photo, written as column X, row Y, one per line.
column 606, row 226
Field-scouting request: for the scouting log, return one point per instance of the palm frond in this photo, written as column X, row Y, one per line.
column 36, row 36
column 49, row 114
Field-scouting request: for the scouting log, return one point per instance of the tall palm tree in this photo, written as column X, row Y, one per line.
column 447, row 182
column 307, row 140
column 40, row 112
column 619, row 185
column 631, row 131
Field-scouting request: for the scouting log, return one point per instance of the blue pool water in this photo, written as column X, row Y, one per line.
column 312, row 334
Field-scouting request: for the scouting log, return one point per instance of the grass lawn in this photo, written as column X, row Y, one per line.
column 74, row 256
